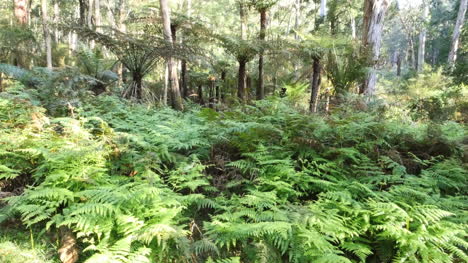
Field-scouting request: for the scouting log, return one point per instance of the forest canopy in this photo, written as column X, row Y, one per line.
column 224, row 131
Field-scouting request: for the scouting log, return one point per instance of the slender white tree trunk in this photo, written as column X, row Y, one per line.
column 374, row 14
column 353, row 27
column 56, row 20
column 456, row 32
column 47, row 38
column 297, row 19
column 422, row 38
column 243, row 21
column 97, row 14
column 90, row 20
column 176, row 99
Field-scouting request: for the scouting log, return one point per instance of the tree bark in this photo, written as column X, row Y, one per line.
column 223, row 87
column 242, row 80
column 211, row 94
column 374, row 14
column 456, row 33
column 422, row 38
column 315, row 85
column 353, row 27
column 218, row 95
column 183, row 73
column 83, row 12
column 200, row 95
column 260, row 85
column 297, row 19
column 56, row 20
column 21, row 11
column 166, row 84
column 398, row 63
column 47, row 38
column 1, row 82
column 97, row 14
column 176, row 99
column 90, row 21
column 243, row 21
column 412, row 52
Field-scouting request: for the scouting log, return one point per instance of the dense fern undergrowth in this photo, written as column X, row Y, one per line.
column 258, row 183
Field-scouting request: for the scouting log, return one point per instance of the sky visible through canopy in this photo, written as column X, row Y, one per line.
column 409, row 3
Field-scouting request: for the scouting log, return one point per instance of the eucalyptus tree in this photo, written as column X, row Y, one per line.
column 176, row 99
column 422, row 36
column 262, row 6
column 374, row 14
column 456, row 32
column 46, row 30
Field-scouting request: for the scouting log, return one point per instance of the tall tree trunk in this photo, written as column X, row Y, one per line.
column 90, row 21
column 119, row 19
column 412, row 52
column 47, row 38
column 223, row 86
column 183, row 76
column 422, row 38
column 456, row 33
column 200, row 95
column 83, row 12
column 211, row 94
column 296, row 36
column 353, row 27
column 89, row 15
column 398, row 64
column 242, row 80
column 97, row 14
column 183, row 67
column 315, row 85
column 166, row 84
column 56, row 20
column 243, row 21
column 1, row 82
column 260, row 86
column 176, row 99
column 248, row 86
column 21, row 11
column 435, row 54
column 297, row 19
column 374, row 14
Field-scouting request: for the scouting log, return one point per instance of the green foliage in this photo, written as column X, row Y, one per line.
column 431, row 96
column 260, row 183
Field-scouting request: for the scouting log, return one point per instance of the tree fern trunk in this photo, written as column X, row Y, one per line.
column 315, row 85
column 183, row 77
column 242, row 80
column 200, row 95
